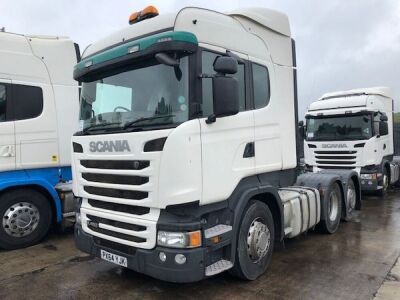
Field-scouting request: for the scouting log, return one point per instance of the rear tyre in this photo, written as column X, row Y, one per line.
column 255, row 242
column 351, row 200
column 332, row 211
column 385, row 184
column 25, row 218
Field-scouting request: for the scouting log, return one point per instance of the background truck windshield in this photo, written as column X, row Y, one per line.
column 149, row 97
column 345, row 127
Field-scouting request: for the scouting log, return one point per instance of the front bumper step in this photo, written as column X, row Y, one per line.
column 217, row 230
column 218, row 267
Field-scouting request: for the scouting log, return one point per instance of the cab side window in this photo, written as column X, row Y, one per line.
column 3, row 99
column 208, row 59
column 261, row 88
column 21, row 103
column 27, row 102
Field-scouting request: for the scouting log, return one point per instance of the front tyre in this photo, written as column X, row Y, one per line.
column 255, row 241
column 25, row 218
column 332, row 211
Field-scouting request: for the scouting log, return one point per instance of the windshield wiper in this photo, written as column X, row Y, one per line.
column 138, row 121
column 99, row 126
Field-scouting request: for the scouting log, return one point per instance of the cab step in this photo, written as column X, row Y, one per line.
column 219, row 229
column 218, row 267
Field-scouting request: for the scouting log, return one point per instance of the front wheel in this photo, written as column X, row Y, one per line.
column 25, row 218
column 255, row 241
column 332, row 211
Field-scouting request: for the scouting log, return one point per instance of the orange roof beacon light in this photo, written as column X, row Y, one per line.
column 147, row 13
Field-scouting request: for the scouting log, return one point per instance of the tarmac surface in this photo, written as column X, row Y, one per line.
column 351, row 264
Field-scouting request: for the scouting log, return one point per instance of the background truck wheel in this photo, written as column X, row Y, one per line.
column 255, row 242
column 385, row 183
column 351, row 200
column 25, row 218
column 332, row 210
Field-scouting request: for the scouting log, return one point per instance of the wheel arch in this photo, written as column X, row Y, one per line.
column 41, row 187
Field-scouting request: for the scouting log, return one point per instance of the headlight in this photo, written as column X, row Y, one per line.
column 179, row 239
column 368, row 176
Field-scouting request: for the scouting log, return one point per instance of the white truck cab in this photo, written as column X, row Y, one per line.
column 353, row 130
column 186, row 163
column 39, row 105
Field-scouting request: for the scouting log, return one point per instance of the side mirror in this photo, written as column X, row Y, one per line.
column 383, row 128
column 225, row 88
column 384, row 118
column 302, row 130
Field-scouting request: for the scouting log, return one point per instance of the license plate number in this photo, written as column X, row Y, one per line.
column 113, row 258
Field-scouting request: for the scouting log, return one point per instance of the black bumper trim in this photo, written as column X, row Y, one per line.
column 148, row 262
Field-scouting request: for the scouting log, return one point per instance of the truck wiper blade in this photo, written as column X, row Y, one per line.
column 99, row 126
column 138, row 121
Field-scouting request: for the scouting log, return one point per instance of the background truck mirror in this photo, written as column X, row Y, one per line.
column 383, row 128
column 302, row 130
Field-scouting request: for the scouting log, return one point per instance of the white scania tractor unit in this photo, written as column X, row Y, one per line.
column 353, row 130
column 39, row 108
column 186, row 162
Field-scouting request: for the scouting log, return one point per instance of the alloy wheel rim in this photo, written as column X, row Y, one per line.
column 21, row 219
column 258, row 240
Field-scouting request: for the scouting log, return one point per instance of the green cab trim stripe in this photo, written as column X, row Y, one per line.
column 136, row 46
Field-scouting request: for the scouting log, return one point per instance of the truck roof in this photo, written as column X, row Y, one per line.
column 266, row 18
column 380, row 91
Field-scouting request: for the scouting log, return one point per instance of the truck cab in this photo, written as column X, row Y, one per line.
column 353, row 130
column 185, row 164
column 39, row 104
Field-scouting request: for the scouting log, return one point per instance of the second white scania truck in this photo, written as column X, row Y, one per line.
column 354, row 130
column 186, row 163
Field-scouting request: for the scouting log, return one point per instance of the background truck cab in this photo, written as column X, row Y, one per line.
column 38, row 114
column 353, row 130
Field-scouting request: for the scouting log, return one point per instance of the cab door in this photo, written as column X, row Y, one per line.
column 225, row 160
column 7, row 128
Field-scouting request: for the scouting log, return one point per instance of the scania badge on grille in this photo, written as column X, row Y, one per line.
column 93, row 224
column 334, row 146
column 110, row 146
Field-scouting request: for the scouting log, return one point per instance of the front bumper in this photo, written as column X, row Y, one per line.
column 147, row 261
column 370, row 185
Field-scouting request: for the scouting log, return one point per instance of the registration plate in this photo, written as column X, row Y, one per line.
column 116, row 259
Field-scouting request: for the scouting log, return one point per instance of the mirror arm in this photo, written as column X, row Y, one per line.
column 211, row 119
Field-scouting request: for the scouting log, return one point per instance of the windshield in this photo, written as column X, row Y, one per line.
column 152, row 97
column 339, row 128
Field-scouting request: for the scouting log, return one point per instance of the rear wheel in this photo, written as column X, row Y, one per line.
column 25, row 218
column 332, row 210
column 255, row 242
column 351, row 200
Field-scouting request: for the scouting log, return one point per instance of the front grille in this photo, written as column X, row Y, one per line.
column 118, row 224
column 335, row 159
column 115, row 179
column 115, row 246
column 335, row 152
column 116, row 164
column 336, row 167
column 135, row 210
column 118, row 235
column 115, row 193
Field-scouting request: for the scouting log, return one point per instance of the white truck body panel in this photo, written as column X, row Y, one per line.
column 45, row 62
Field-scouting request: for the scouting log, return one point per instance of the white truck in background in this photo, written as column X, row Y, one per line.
column 353, row 130
column 39, row 105
column 186, row 162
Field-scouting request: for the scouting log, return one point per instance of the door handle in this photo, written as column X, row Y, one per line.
column 384, row 146
column 8, row 152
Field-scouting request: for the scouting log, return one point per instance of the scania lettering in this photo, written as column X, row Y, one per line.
column 358, row 125
column 39, row 108
column 110, row 146
column 207, row 102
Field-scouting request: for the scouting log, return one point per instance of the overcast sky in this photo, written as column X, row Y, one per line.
column 340, row 44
